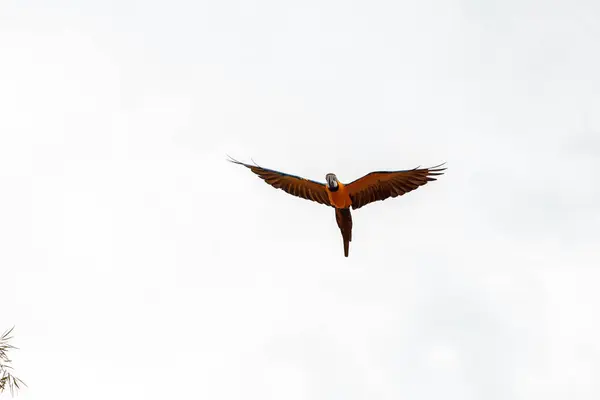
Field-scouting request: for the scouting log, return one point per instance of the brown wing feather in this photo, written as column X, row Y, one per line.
column 294, row 185
column 380, row 185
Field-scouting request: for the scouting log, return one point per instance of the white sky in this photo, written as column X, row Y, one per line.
column 137, row 263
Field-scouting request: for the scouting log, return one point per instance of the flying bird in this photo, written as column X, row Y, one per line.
column 375, row 186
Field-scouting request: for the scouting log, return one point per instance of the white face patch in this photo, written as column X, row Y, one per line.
column 331, row 181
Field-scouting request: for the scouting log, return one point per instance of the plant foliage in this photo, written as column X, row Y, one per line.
column 7, row 379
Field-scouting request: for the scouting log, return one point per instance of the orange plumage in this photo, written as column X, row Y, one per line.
column 340, row 198
column 375, row 186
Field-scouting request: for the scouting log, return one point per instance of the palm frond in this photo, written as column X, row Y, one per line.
column 7, row 379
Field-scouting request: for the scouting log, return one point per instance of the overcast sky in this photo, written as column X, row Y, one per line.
column 137, row 263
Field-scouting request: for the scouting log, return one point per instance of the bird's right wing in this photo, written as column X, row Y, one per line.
column 294, row 185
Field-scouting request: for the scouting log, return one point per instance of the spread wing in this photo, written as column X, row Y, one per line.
column 380, row 185
column 292, row 184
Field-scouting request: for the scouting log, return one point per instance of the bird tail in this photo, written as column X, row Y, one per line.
column 344, row 221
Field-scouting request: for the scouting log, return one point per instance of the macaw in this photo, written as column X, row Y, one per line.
column 375, row 186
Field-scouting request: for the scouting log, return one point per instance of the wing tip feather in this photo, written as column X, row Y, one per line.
column 233, row 160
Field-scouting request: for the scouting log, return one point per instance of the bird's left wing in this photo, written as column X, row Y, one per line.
column 294, row 185
column 381, row 185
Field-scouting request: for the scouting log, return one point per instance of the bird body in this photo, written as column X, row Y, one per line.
column 339, row 197
column 375, row 186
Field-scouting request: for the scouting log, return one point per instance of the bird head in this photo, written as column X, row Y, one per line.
column 332, row 181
